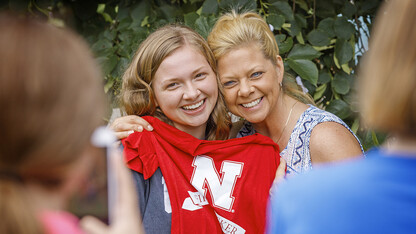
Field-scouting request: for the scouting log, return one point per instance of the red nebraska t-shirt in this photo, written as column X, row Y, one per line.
column 213, row 186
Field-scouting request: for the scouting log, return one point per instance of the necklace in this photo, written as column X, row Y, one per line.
column 287, row 121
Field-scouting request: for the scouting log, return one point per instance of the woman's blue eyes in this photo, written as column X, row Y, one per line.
column 232, row 82
column 229, row 83
column 171, row 85
column 200, row 75
column 256, row 74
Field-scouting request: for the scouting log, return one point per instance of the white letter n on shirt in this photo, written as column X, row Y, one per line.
column 220, row 187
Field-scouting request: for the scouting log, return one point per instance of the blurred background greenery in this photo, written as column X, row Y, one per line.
column 321, row 41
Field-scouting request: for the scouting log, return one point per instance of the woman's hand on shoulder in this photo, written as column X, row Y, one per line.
column 125, row 125
column 331, row 141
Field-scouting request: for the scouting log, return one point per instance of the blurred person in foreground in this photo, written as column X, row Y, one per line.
column 49, row 84
column 378, row 194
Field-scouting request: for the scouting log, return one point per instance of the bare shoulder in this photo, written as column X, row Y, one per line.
column 331, row 141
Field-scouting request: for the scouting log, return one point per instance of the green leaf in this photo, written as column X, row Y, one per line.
column 124, row 24
column 294, row 28
column 202, row 26
column 107, row 63
column 318, row 38
column 101, row 45
column 306, row 69
column 302, row 4
column 301, row 20
column 319, row 92
column 100, row 8
column 284, row 45
column 170, row 12
column 348, row 10
column 107, row 17
column 108, row 85
column 303, row 52
column 145, row 21
column 140, row 11
column 367, row 6
column 324, row 77
column 327, row 26
column 110, row 35
column 124, row 50
column 343, row 28
column 322, row 48
column 121, row 66
column 282, row 8
column 341, row 83
column 343, row 51
column 339, row 108
column 325, row 8
column 346, row 68
column 190, row 19
column 210, row 7
column 336, row 62
column 299, row 37
column 328, row 60
column 123, row 13
column 355, row 125
column 276, row 20
column 374, row 137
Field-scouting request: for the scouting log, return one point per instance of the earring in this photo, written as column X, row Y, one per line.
column 281, row 85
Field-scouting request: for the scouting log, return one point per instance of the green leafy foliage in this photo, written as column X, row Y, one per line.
column 317, row 39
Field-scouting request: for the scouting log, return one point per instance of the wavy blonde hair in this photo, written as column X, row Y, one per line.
column 137, row 96
column 387, row 82
column 233, row 30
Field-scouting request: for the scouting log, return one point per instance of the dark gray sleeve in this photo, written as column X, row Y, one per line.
column 151, row 201
column 142, row 187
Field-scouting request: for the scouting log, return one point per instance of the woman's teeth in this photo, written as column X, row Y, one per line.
column 251, row 104
column 194, row 106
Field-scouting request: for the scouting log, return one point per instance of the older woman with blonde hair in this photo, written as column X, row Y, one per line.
column 376, row 195
column 257, row 90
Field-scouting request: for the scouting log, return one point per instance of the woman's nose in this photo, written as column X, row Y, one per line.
column 191, row 92
column 245, row 89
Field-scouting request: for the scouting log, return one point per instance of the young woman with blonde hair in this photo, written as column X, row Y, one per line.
column 173, row 78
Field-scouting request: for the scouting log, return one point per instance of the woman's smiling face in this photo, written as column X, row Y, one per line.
column 251, row 82
column 186, row 89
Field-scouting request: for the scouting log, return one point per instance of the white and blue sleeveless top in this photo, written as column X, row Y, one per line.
column 296, row 153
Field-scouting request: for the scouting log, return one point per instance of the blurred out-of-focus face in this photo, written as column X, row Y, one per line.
column 251, row 82
column 186, row 89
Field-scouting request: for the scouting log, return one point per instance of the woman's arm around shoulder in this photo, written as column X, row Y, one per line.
column 331, row 141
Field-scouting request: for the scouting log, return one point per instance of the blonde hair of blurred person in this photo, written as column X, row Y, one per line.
column 137, row 95
column 388, row 74
column 235, row 40
column 51, row 101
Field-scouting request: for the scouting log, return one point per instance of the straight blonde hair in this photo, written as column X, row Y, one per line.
column 387, row 82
